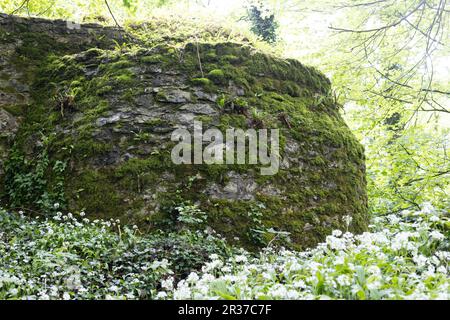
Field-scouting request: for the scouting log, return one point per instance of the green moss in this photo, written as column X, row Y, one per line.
column 139, row 166
column 94, row 52
column 153, row 59
column 217, row 76
column 161, row 96
column 228, row 121
column 130, row 94
column 201, row 81
column 240, row 102
column 121, row 64
column 206, row 120
column 103, row 90
column 89, row 148
column 93, row 192
column 124, row 79
column 288, row 70
column 231, row 58
column 15, row 109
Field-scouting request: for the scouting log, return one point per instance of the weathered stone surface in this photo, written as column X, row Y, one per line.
column 238, row 187
column 8, row 130
column 8, row 124
column 173, row 95
column 200, row 108
column 109, row 115
column 202, row 95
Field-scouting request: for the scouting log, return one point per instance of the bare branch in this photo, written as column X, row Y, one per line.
column 112, row 15
column 24, row 3
column 364, row 4
column 391, row 25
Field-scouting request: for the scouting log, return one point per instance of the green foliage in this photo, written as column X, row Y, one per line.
column 84, row 259
column 257, row 229
column 403, row 257
column 189, row 250
column 407, row 168
column 36, row 183
column 262, row 21
column 383, row 80
column 190, row 215
column 217, row 76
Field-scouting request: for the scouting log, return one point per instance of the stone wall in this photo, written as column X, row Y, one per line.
column 108, row 114
column 56, row 35
column 39, row 37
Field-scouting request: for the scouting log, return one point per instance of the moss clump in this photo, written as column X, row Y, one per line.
column 201, row 81
column 121, row 64
column 124, row 79
column 217, row 76
column 152, row 59
column 231, row 59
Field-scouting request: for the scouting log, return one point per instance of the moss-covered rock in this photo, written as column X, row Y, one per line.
column 108, row 114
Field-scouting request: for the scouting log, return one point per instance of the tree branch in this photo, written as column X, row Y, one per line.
column 112, row 15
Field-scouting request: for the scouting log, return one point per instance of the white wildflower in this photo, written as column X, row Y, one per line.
column 240, row 258
column 437, row 235
column 192, row 277
column 167, row 284
column 343, row 280
column 336, row 233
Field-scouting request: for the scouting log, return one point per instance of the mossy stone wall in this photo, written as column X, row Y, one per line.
column 107, row 112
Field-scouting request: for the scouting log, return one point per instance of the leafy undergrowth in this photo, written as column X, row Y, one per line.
column 406, row 256
column 67, row 257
